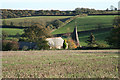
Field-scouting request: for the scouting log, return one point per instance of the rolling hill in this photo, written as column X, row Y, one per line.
column 86, row 23
column 89, row 24
column 27, row 21
column 100, row 26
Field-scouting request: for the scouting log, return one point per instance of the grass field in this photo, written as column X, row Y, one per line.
column 83, row 24
column 86, row 23
column 27, row 21
column 89, row 23
column 12, row 31
column 60, row 64
column 100, row 37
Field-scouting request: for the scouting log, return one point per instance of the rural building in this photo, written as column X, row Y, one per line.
column 56, row 42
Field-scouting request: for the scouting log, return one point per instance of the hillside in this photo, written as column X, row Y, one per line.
column 90, row 24
column 27, row 21
column 86, row 23
column 100, row 36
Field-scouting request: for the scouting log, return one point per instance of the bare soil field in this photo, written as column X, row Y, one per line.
column 60, row 64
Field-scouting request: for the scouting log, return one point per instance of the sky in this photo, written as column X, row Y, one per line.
column 57, row 4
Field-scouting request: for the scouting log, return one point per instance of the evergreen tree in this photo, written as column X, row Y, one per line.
column 115, row 9
column 11, row 24
column 107, row 9
column 64, row 45
column 91, row 41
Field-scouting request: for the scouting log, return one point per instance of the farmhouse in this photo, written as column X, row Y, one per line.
column 56, row 42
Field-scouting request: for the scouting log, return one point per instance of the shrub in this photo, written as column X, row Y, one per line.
column 92, row 45
column 9, row 45
column 102, row 45
column 42, row 44
column 15, row 39
column 64, row 45
column 4, row 47
column 25, row 48
column 57, row 23
column 4, row 35
column 71, row 44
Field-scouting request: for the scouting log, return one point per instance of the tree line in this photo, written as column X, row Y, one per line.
column 9, row 13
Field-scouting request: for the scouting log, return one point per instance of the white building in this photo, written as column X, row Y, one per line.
column 56, row 42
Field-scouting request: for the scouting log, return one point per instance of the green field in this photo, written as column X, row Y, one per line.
column 12, row 31
column 27, row 21
column 83, row 24
column 100, row 37
column 89, row 23
column 86, row 23
column 59, row 64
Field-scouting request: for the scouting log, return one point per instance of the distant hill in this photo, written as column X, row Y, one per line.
column 9, row 13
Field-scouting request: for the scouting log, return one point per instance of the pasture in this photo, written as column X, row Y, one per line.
column 12, row 31
column 87, row 23
column 60, row 64
column 28, row 21
column 83, row 24
column 100, row 37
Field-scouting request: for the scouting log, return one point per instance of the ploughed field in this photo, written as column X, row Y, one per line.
column 60, row 64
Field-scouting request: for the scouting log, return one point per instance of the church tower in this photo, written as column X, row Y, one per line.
column 75, row 36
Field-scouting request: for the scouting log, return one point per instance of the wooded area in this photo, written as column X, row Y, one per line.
column 9, row 13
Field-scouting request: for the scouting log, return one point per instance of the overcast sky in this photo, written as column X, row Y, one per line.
column 57, row 4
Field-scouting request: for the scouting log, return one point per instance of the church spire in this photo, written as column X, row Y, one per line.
column 75, row 35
